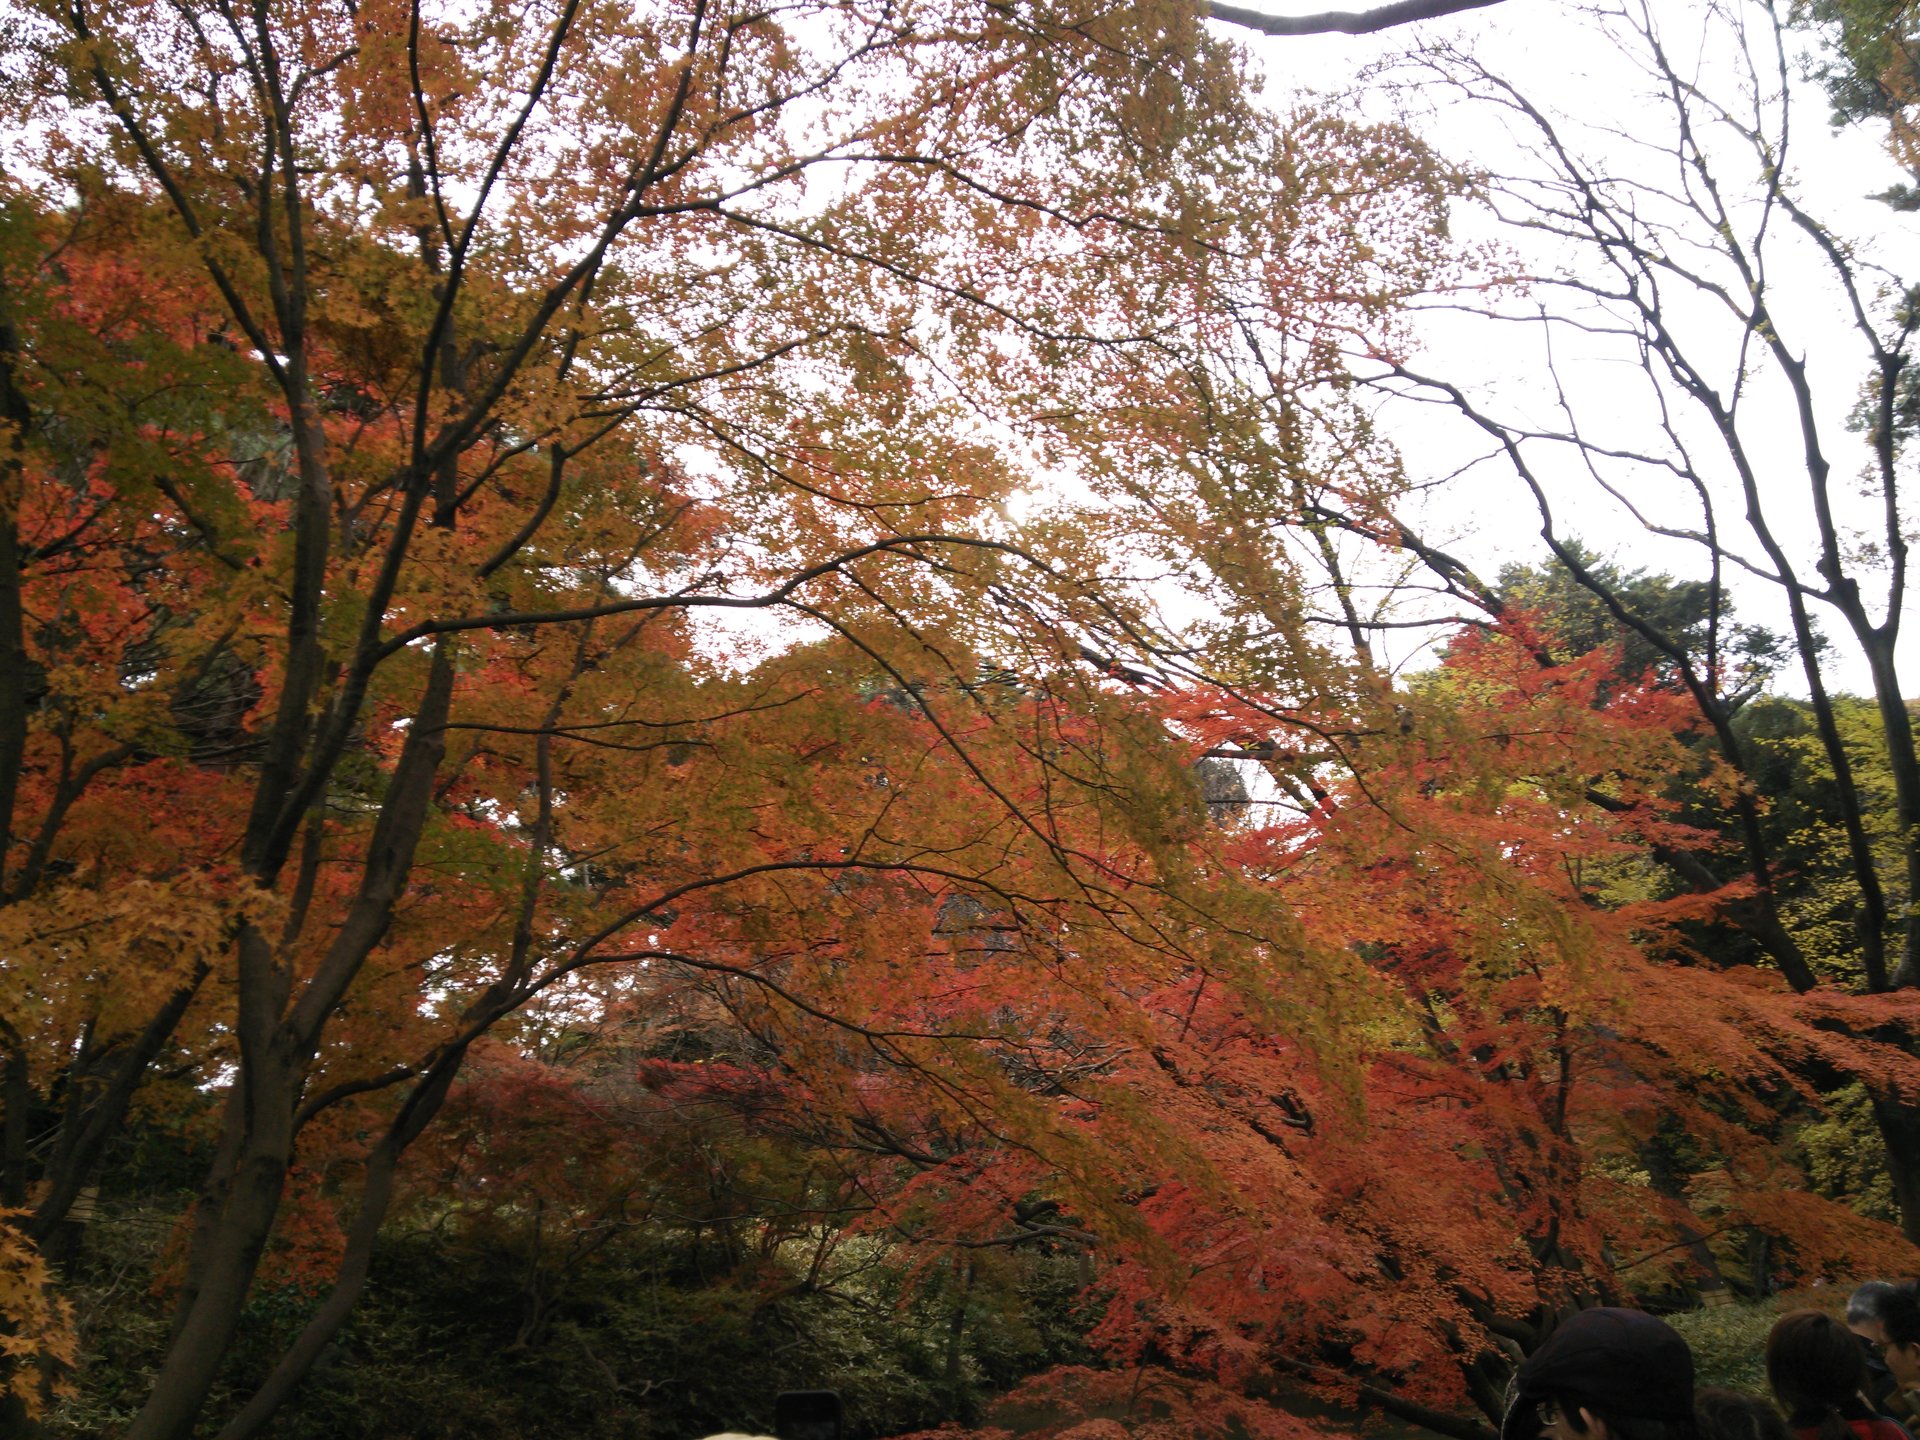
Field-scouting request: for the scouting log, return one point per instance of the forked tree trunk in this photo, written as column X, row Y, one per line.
column 279, row 1031
column 229, row 1258
column 376, row 1194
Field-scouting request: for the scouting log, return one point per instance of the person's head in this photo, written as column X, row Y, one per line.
column 1900, row 1320
column 1863, row 1311
column 1817, row 1370
column 1722, row 1414
column 1605, row 1374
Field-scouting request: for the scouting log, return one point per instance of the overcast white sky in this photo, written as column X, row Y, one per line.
column 1544, row 47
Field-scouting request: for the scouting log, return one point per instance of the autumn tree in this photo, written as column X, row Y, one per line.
column 1523, row 811
column 404, row 403
column 1871, row 71
column 1535, row 1032
column 394, row 393
column 1682, row 268
column 1552, row 1024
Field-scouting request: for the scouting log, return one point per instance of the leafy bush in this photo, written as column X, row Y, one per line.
column 1729, row 1342
column 642, row 1342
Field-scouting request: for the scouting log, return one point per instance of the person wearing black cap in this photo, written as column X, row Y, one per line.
column 1605, row 1374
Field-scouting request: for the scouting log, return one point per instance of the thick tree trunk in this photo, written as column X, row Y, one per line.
column 375, row 1196
column 1896, row 726
column 1899, row 1124
column 16, row 676
column 230, row 1258
column 209, row 1206
column 16, row 1103
column 279, row 1035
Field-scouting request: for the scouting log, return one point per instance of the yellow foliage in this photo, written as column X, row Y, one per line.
column 36, row 1327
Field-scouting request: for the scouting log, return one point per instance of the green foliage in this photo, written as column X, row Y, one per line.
column 1729, row 1343
column 1846, row 1158
column 632, row 1345
column 1681, row 610
column 1817, row 887
column 1871, row 70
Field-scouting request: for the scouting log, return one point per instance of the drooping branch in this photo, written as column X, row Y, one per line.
column 1344, row 22
column 1427, row 1417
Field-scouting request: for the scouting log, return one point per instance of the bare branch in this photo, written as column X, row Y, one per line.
column 1344, row 22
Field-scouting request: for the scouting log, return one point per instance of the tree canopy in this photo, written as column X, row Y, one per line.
column 744, row 647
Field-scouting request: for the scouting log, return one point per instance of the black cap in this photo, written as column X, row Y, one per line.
column 1615, row 1362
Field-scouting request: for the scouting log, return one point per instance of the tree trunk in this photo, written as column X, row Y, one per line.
column 16, row 676
column 229, row 1257
column 279, row 1035
column 14, row 1110
column 1896, row 726
column 88, row 1127
column 1899, row 1124
column 375, row 1196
